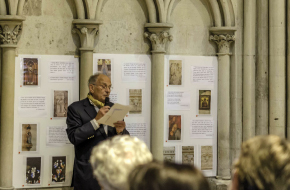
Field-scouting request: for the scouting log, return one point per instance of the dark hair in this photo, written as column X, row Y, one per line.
column 167, row 176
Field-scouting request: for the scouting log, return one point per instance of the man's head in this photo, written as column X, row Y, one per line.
column 112, row 160
column 99, row 86
column 264, row 163
column 167, row 176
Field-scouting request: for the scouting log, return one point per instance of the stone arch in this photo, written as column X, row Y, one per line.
column 89, row 9
column 223, row 13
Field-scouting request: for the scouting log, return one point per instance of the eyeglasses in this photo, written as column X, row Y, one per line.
column 103, row 87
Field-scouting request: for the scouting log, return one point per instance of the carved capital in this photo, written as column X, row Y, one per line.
column 223, row 41
column 158, row 40
column 87, row 31
column 10, row 30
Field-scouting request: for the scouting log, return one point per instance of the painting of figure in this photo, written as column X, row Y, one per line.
column 105, row 67
column 60, row 103
column 175, row 72
column 174, row 125
column 33, row 170
column 29, row 137
column 30, row 71
column 58, row 169
column 204, row 101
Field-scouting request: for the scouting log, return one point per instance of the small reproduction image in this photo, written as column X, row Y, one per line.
column 175, row 72
column 58, row 169
column 204, row 101
column 169, row 154
column 30, row 71
column 29, row 137
column 33, row 170
column 188, row 155
column 174, row 126
column 60, row 103
column 105, row 67
column 206, row 158
column 135, row 100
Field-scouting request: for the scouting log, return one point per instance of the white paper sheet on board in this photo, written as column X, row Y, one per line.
column 178, row 100
column 202, row 129
column 32, row 106
column 137, row 130
column 113, row 97
column 202, row 74
column 57, row 136
column 61, row 71
column 133, row 72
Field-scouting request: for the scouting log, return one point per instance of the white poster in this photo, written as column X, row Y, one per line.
column 32, row 106
column 61, row 71
column 178, row 100
column 57, row 136
column 133, row 72
column 202, row 73
column 201, row 129
column 137, row 130
column 113, row 97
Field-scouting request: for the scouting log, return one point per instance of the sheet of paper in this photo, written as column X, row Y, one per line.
column 61, row 71
column 56, row 136
column 113, row 97
column 132, row 72
column 116, row 113
column 202, row 73
column 32, row 106
column 178, row 100
column 137, row 130
column 202, row 129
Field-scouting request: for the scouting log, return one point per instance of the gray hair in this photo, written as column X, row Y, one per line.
column 93, row 79
column 113, row 160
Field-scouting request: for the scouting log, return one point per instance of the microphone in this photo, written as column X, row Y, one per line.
column 107, row 100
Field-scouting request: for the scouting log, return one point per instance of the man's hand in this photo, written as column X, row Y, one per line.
column 102, row 112
column 120, row 126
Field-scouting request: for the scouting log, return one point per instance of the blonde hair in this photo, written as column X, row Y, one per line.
column 264, row 163
column 112, row 160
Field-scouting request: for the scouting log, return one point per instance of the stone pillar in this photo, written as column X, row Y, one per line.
column 10, row 27
column 223, row 37
column 262, row 82
column 249, row 60
column 158, row 35
column 277, row 68
column 288, row 70
column 87, row 31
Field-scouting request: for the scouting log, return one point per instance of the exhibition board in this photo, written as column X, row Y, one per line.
column 131, row 81
column 190, row 116
column 44, row 86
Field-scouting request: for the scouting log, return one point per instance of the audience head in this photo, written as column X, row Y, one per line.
column 167, row 176
column 264, row 163
column 112, row 160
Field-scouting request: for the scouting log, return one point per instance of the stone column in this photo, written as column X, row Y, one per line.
column 288, row 70
column 262, row 82
column 223, row 37
column 249, row 60
column 158, row 35
column 87, row 30
column 277, row 67
column 10, row 27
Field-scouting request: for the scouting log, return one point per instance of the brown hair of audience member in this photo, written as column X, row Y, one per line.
column 167, row 176
column 264, row 164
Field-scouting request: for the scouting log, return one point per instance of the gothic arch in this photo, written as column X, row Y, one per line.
column 12, row 7
column 223, row 13
column 89, row 9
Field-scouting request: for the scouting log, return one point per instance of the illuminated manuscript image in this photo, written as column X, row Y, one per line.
column 174, row 125
column 60, row 103
column 206, row 158
column 169, row 154
column 175, row 72
column 29, row 137
column 30, row 71
column 135, row 100
column 58, row 169
column 33, row 170
column 204, row 101
column 105, row 67
column 188, row 155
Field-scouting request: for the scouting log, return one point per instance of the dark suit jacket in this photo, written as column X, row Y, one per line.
column 82, row 134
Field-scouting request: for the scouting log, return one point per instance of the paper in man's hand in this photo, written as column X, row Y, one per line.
column 116, row 113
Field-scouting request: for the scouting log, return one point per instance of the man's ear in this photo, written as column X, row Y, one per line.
column 91, row 88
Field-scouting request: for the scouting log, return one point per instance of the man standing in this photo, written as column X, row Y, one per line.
column 85, row 132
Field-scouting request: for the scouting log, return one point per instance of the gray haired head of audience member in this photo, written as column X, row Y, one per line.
column 264, row 163
column 112, row 160
column 167, row 176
